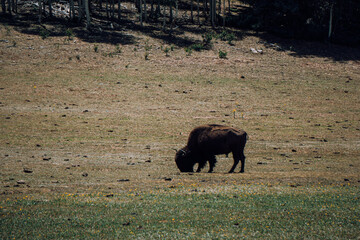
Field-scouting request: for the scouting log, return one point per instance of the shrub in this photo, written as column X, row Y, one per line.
column 188, row 51
column 222, row 54
column 70, row 34
column 44, row 33
column 197, row 47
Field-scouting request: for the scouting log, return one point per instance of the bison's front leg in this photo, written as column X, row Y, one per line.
column 201, row 165
column 212, row 162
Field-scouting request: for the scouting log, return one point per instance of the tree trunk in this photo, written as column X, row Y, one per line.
column 141, row 13
column 229, row 2
column 100, row 4
column 176, row 9
column 111, row 10
column 72, row 9
column 80, row 10
column 198, row 11
column 330, row 20
column 171, row 12
column 40, row 11
column 152, row 9
column 145, row 11
column 9, row 6
column 107, row 9
column 164, row 17
column 212, row 12
column 192, row 11
column 3, row 6
column 205, row 9
column 224, row 13
column 50, row 8
column 138, row 5
column 158, row 10
column 87, row 13
column 119, row 9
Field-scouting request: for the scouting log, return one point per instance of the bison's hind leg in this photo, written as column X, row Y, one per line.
column 236, row 162
column 242, row 158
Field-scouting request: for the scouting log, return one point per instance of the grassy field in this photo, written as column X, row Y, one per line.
column 189, row 212
column 88, row 132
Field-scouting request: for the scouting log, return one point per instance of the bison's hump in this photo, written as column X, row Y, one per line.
column 212, row 131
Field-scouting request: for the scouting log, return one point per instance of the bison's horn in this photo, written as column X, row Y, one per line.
column 183, row 151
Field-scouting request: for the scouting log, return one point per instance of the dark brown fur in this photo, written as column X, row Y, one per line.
column 209, row 140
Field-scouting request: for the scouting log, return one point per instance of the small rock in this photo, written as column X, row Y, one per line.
column 123, row 180
column 167, row 179
column 85, row 174
column 109, row 195
column 20, row 182
column 26, row 170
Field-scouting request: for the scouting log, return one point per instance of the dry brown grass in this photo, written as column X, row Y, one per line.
column 120, row 117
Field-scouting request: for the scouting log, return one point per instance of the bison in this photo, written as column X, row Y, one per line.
column 209, row 140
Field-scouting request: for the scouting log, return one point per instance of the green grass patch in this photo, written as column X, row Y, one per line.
column 246, row 211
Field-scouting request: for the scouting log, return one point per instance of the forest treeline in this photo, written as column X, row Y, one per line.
column 336, row 21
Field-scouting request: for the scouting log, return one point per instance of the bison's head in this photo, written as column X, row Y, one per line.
column 184, row 161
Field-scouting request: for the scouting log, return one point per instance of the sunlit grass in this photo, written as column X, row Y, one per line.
column 188, row 211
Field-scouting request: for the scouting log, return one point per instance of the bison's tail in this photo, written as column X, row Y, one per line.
column 245, row 138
